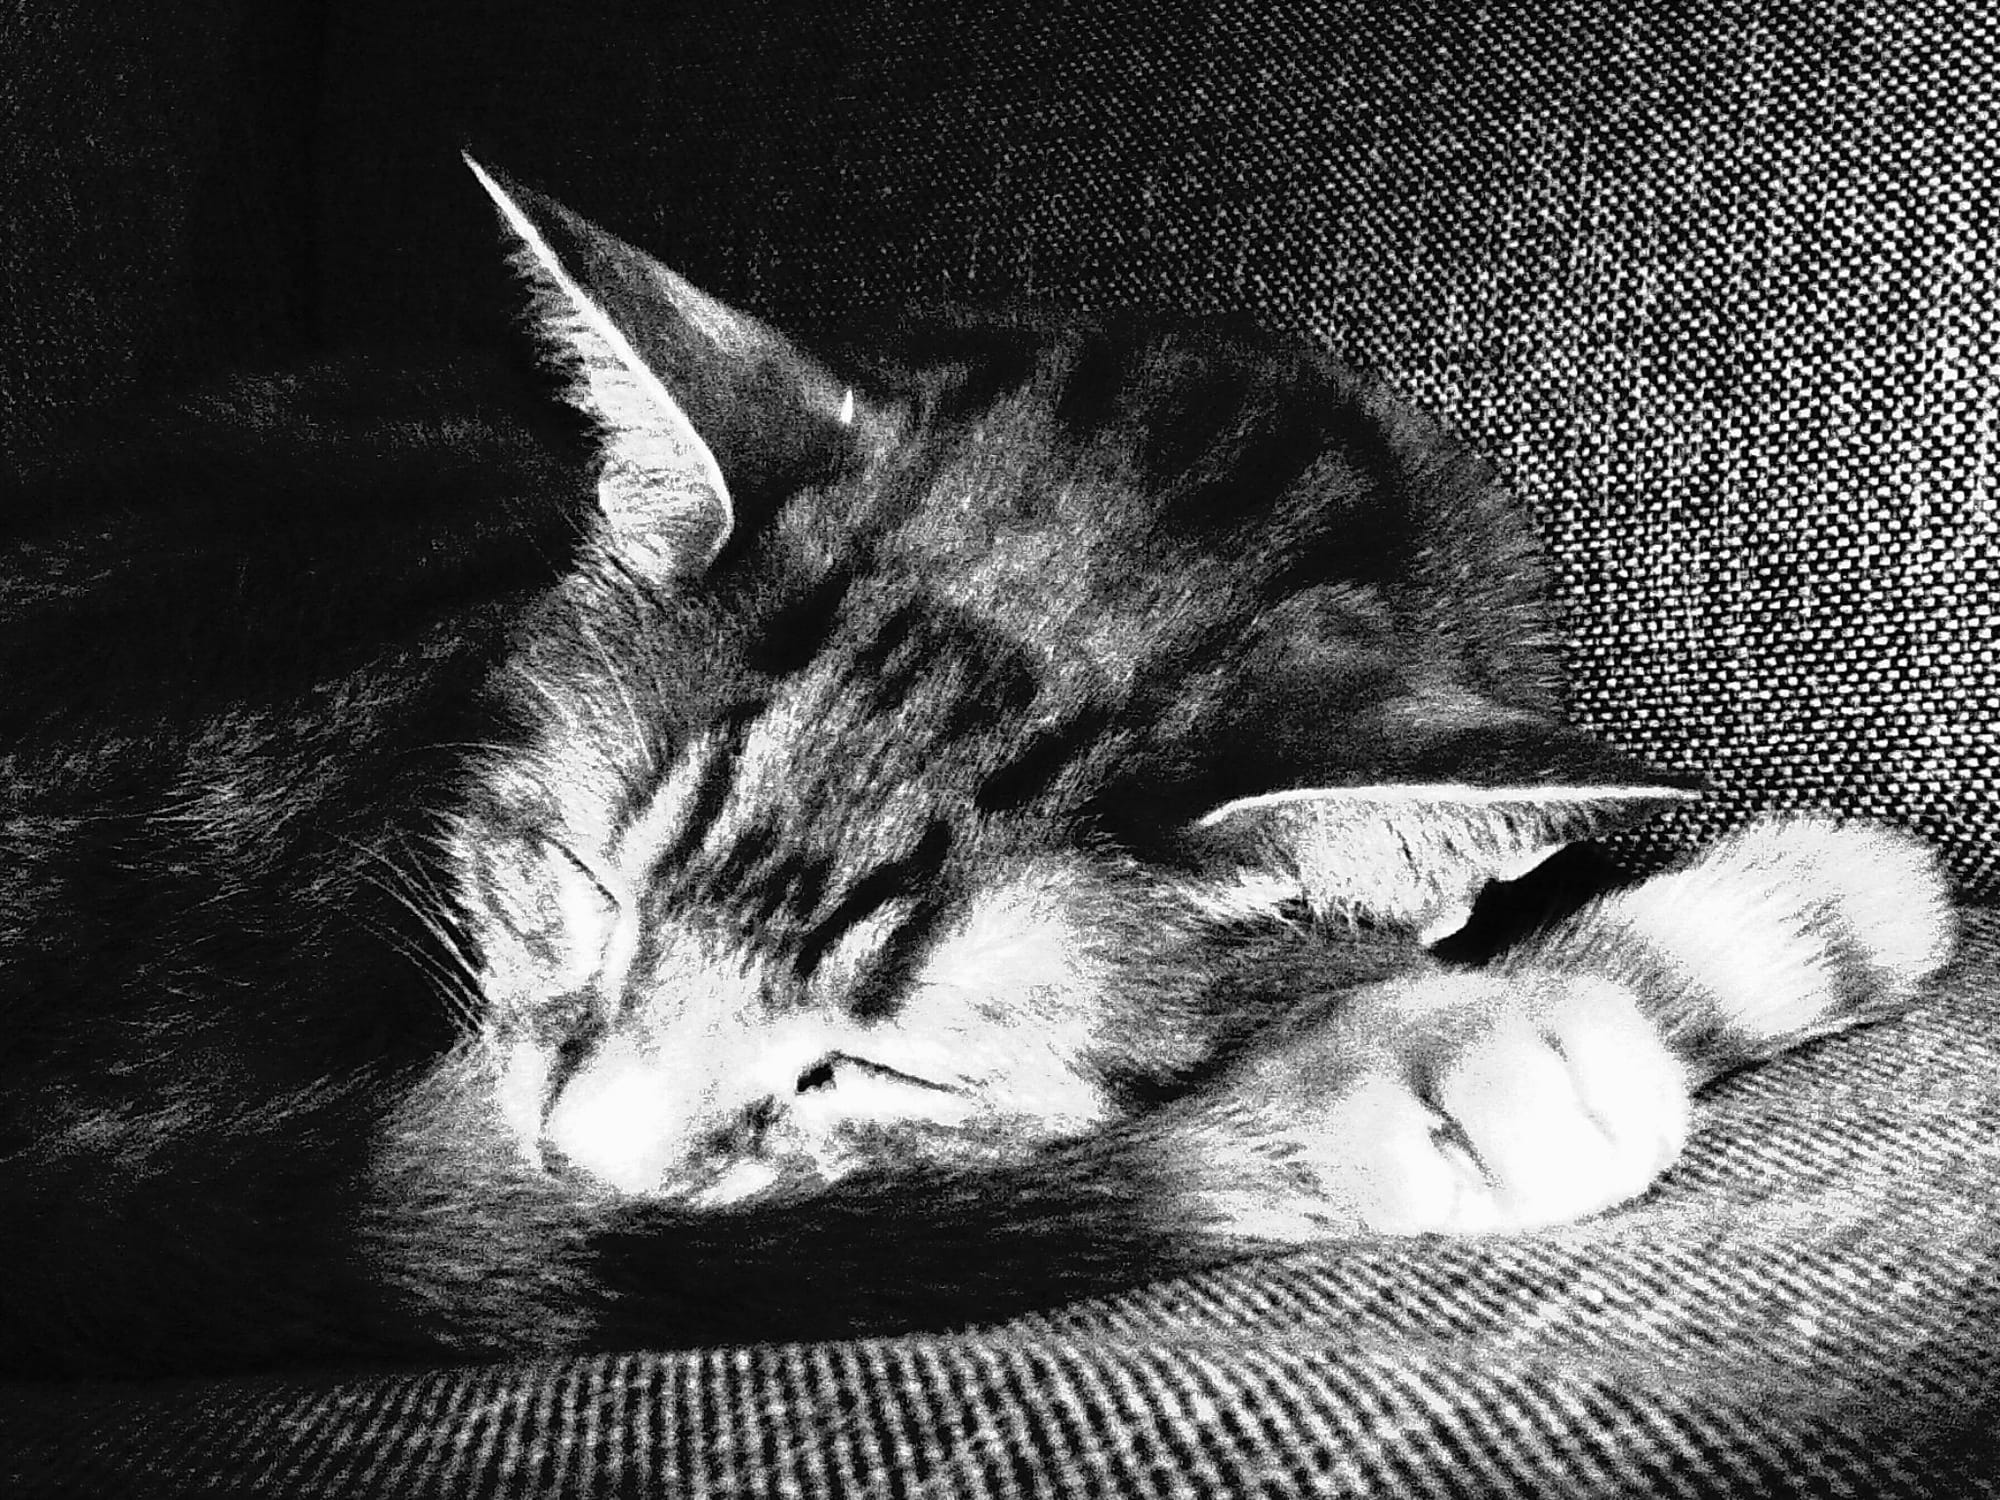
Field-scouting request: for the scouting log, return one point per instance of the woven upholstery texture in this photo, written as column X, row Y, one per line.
column 1715, row 281
column 1808, row 1305
column 1718, row 284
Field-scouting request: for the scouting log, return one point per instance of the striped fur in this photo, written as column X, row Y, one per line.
column 858, row 842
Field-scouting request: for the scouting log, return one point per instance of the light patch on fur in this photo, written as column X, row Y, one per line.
column 1525, row 864
column 552, row 926
column 771, row 746
column 667, row 809
column 621, row 1120
column 1241, row 894
column 597, row 932
column 1887, row 886
column 1444, row 922
column 1427, row 793
column 1784, row 922
column 1412, row 855
column 1747, row 944
column 660, row 484
column 1012, row 939
column 745, row 1178
column 1011, row 1004
column 643, row 1108
column 841, row 964
column 520, row 1090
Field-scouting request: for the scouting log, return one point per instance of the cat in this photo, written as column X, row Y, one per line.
column 764, row 845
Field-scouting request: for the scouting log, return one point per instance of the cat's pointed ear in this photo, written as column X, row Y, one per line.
column 1488, row 801
column 703, row 410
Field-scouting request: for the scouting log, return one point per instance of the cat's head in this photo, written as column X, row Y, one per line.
column 918, row 727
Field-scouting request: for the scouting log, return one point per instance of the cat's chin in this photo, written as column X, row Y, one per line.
column 624, row 1123
column 770, row 1177
column 709, row 1188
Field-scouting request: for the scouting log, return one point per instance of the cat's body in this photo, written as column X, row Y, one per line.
column 818, row 853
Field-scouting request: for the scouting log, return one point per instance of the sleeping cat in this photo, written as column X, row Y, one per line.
column 772, row 847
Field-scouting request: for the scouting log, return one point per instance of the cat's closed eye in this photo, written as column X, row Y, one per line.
column 825, row 843
column 555, row 918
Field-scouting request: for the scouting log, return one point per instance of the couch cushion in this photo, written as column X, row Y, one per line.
column 1714, row 280
column 1806, row 1305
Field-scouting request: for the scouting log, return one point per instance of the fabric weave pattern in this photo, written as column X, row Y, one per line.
column 1717, row 283
column 1805, row 1306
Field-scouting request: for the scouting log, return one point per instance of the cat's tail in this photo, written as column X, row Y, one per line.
column 1787, row 930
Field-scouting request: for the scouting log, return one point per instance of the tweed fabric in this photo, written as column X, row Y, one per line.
column 1715, row 281
column 1718, row 282
column 1806, row 1306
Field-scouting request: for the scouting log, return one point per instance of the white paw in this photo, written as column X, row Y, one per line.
column 1892, row 895
column 1494, row 1107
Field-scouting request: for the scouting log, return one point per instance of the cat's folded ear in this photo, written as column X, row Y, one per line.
column 703, row 409
column 1455, row 800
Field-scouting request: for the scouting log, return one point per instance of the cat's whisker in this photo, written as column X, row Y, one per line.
column 455, row 987
column 469, row 747
column 522, row 670
column 640, row 738
column 448, row 960
column 419, row 871
column 463, row 1003
column 447, row 940
column 405, row 895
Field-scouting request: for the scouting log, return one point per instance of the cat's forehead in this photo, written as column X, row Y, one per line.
column 1004, row 553
column 1055, row 542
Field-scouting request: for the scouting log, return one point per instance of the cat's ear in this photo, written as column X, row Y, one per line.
column 1488, row 800
column 703, row 409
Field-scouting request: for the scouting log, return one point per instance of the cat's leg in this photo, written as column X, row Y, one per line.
column 1447, row 1100
column 1556, row 1082
column 1540, row 1088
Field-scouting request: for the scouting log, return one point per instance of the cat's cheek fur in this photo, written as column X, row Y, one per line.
column 627, row 1121
column 522, row 1072
column 1020, row 1001
column 711, row 1082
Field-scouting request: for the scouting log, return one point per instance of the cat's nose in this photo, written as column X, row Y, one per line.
column 622, row 1120
column 741, row 1135
column 679, row 1166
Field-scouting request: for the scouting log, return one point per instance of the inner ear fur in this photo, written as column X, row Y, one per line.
column 708, row 417
column 1453, row 802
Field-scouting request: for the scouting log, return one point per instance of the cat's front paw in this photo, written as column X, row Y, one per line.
column 1460, row 1102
